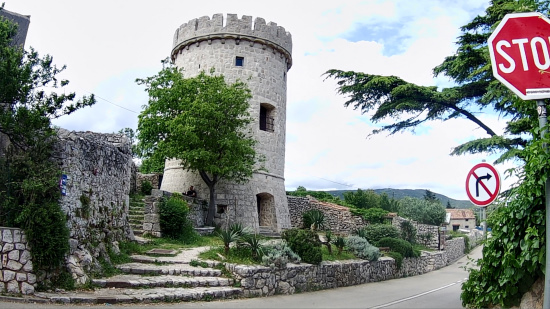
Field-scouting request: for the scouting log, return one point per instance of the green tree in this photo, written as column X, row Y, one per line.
column 201, row 121
column 409, row 105
column 387, row 203
column 430, row 196
column 448, row 206
column 364, row 199
column 423, row 211
column 31, row 95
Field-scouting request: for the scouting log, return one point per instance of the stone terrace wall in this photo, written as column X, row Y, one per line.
column 16, row 271
column 98, row 172
column 151, row 223
column 421, row 229
column 154, row 179
column 264, row 281
column 338, row 218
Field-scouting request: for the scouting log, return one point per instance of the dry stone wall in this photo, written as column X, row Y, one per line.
column 154, row 179
column 338, row 218
column 421, row 229
column 294, row 278
column 16, row 272
column 95, row 186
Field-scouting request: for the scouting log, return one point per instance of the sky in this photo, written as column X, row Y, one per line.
column 106, row 45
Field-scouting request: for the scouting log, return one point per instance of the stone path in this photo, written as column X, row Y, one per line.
column 153, row 279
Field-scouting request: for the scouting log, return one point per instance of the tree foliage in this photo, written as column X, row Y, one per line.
column 422, row 211
column 410, row 105
column 364, row 199
column 29, row 189
column 201, row 121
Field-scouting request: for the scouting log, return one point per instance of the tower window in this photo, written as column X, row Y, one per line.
column 239, row 61
column 267, row 120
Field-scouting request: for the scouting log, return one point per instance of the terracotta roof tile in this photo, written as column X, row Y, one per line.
column 458, row 214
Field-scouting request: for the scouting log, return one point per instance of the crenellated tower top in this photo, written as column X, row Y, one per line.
column 205, row 29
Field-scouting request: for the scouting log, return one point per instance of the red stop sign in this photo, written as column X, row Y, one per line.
column 520, row 54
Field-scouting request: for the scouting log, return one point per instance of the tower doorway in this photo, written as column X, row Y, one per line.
column 266, row 210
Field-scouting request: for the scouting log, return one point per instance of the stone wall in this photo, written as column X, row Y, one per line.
column 151, row 224
column 96, row 175
column 265, row 281
column 433, row 230
column 338, row 218
column 16, row 271
column 153, row 178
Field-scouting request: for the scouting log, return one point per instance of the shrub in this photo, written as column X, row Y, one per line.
column 399, row 245
column 362, row 232
column 375, row 215
column 425, row 238
column 408, row 231
column 375, row 232
column 398, row 257
column 252, row 242
column 279, row 255
column 173, row 220
column 314, row 219
column 305, row 243
column 361, row 248
column 340, row 243
column 228, row 236
column 146, row 187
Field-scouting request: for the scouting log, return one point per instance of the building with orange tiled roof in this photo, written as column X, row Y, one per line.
column 461, row 219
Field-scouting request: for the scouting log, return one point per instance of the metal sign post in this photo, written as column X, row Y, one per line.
column 541, row 110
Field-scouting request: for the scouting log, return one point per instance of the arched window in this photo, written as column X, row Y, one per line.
column 267, row 117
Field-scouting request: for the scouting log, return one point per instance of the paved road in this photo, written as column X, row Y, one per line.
column 437, row 289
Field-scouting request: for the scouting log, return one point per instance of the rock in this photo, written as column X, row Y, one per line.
column 28, row 266
column 20, row 246
column 13, row 265
column 8, row 275
column 21, row 277
column 283, row 288
column 31, row 278
column 25, row 257
column 17, row 235
column 27, row 289
column 8, row 247
column 14, row 255
column 7, row 236
column 13, row 287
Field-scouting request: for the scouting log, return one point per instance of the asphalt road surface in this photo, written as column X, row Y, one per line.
column 437, row 289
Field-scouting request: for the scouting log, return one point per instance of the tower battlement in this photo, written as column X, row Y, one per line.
column 204, row 29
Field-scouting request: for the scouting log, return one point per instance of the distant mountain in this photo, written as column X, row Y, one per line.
column 417, row 193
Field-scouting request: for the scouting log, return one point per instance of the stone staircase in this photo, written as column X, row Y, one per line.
column 156, row 279
column 136, row 216
column 268, row 232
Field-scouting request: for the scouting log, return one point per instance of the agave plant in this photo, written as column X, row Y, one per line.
column 328, row 236
column 252, row 241
column 340, row 243
column 228, row 236
column 314, row 219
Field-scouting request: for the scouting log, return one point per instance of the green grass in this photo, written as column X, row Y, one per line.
column 334, row 256
column 236, row 255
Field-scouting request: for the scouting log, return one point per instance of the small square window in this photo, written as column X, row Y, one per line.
column 239, row 61
column 467, row 226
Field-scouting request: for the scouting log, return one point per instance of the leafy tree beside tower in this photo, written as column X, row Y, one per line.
column 203, row 122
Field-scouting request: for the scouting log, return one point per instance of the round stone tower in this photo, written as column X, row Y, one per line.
column 260, row 55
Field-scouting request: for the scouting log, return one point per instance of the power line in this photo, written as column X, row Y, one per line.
column 114, row 103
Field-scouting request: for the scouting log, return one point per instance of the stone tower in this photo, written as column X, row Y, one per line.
column 260, row 55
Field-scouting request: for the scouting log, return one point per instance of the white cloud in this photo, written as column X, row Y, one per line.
column 108, row 44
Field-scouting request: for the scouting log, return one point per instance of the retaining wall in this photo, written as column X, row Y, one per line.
column 294, row 278
column 16, row 271
column 338, row 218
column 95, row 196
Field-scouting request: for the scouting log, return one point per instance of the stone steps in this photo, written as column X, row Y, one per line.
column 168, row 269
column 164, row 281
column 266, row 231
column 153, row 295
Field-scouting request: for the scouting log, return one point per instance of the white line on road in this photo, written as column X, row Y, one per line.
column 418, row 295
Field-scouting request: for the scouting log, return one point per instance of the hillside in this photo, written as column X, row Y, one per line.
column 417, row 193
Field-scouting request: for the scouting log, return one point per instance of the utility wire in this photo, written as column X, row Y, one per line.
column 113, row 103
